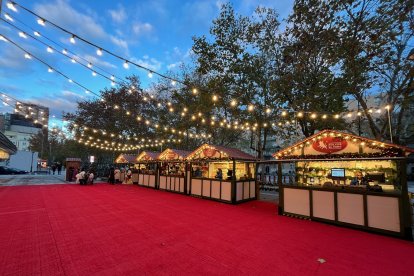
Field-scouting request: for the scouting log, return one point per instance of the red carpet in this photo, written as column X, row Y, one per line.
column 130, row 230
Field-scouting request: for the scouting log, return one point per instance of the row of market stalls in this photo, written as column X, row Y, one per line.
column 323, row 186
column 213, row 172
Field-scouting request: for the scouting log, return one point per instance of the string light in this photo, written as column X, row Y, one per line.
column 8, row 17
column 99, row 52
column 49, row 49
column 150, row 74
column 27, row 56
column 126, row 65
column 22, row 35
column 2, row 38
column 50, row 70
column 36, row 34
column 11, row 6
column 72, row 39
column 41, row 22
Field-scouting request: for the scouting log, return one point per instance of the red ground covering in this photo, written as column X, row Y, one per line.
column 130, row 230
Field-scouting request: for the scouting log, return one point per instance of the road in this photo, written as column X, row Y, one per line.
column 29, row 179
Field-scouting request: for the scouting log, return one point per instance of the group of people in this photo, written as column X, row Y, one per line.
column 56, row 166
column 115, row 176
column 85, row 178
column 219, row 174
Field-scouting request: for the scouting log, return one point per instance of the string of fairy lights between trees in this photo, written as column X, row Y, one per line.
column 213, row 121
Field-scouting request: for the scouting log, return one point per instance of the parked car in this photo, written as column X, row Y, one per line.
column 8, row 170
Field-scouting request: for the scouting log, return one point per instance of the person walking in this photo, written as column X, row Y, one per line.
column 59, row 168
column 111, row 177
column 53, row 168
column 117, row 174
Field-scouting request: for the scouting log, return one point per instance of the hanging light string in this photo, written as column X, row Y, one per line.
column 50, row 49
column 42, row 21
column 39, row 34
column 250, row 107
column 114, row 146
column 51, row 69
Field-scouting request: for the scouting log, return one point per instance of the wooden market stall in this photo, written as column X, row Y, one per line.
column 223, row 174
column 73, row 166
column 146, row 165
column 173, row 173
column 348, row 180
column 126, row 160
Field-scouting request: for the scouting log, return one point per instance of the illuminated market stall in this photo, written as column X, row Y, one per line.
column 173, row 176
column 146, row 164
column 221, row 173
column 348, row 180
column 126, row 160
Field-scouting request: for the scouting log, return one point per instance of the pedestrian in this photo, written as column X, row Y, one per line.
column 111, row 177
column 59, row 168
column 81, row 177
column 54, row 168
column 91, row 176
column 117, row 173
column 128, row 177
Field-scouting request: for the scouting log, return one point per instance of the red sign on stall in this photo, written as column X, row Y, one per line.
column 209, row 152
column 329, row 144
column 171, row 155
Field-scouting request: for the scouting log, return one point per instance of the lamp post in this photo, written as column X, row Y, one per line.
column 31, row 163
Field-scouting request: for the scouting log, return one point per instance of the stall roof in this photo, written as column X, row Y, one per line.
column 73, row 159
column 176, row 154
column 125, row 158
column 7, row 145
column 147, row 156
column 207, row 151
column 336, row 143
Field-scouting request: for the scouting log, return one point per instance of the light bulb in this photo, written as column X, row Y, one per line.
column 41, row 21
column 173, row 83
column 64, row 52
column 8, row 17
column 26, row 55
column 49, row 49
column 126, row 65
column 94, row 73
column 11, row 6
column 73, row 60
column 36, row 33
column 3, row 38
column 99, row 52
column 150, row 75
column 69, row 80
column 50, row 70
column 112, row 77
column 89, row 65
column 72, row 39
column 22, row 34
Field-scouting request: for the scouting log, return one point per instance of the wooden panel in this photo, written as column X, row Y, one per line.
column 196, row 186
column 383, row 213
column 215, row 189
column 134, row 178
column 226, row 190
column 323, row 205
column 141, row 179
column 188, row 181
column 182, row 184
column 296, row 201
column 246, row 190
column 177, row 183
column 146, row 179
column 206, row 188
column 252, row 189
column 351, row 208
column 239, row 191
column 151, row 180
column 163, row 182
